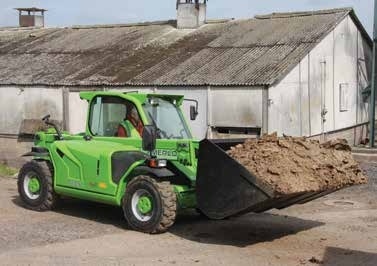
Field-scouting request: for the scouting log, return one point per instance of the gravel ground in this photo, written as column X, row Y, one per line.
column 339, row 229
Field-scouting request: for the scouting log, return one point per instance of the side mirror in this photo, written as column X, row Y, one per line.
column 193, row 112
column 149, row 138
column 193, row 109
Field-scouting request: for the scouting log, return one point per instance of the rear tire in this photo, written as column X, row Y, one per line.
column 149, row 205
column 35, row 186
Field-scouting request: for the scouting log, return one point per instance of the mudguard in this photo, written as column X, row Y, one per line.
column 37, row 151
column 170, row 173
column 158, row 172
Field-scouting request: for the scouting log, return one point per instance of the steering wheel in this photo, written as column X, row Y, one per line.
column 163, row 133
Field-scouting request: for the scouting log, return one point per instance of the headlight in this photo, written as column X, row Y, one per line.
column 157, row 163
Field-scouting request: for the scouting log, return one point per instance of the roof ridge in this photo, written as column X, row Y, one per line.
column 147, row 23
column 304, row 13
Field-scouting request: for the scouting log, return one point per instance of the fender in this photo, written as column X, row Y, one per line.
column 124, row 180
column 170, row 173
column 38, row 152
column 123, row 162
column 139, row 168
column 157, row 172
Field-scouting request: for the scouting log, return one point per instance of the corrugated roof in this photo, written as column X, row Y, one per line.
column 233, row 52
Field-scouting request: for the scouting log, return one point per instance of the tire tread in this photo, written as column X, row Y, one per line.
column 47, row 170
column 168, row 200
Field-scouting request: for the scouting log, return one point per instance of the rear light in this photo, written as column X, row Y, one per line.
column 157, row 163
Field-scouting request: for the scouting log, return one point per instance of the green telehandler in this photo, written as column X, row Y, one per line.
column 138, row 153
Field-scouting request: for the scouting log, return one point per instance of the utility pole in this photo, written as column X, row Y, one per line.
column 372, row 112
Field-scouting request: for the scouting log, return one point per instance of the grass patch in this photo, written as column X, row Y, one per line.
column 7, row 171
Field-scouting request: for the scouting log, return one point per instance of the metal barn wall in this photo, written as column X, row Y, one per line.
column 297, row 101
column 236, row 106
column 284, row 107
column 346, row 57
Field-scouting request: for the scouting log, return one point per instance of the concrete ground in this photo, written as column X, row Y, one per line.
column 339, row 229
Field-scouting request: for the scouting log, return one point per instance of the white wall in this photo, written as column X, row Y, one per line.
column 11, row 110
column 236, row 107
column 19, row 103
column 284, row 105
column 321, row 85
column 78, row 110
column 296, row 102
column 346, row 52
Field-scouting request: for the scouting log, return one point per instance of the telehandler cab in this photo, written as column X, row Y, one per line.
column 151, row 173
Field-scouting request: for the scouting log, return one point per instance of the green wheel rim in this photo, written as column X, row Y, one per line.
column 34, row 185
column 144, row 205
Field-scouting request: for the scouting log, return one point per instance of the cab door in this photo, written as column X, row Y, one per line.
column 108, row 117
column 86, row 163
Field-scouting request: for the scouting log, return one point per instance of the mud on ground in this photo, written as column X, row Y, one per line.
column 293, row 165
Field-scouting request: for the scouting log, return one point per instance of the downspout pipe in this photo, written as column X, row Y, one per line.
column 372, row 111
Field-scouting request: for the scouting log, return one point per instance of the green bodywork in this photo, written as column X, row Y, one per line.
column 83, row 168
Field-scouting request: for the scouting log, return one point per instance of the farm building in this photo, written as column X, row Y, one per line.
column 302, row 74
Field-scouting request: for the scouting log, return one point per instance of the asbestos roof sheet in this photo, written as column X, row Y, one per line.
column 254, row 51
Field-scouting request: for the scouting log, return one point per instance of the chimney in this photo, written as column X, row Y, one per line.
column 191, row 14
column 31, row 17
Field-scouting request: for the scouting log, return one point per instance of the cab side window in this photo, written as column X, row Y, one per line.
column 107, row 113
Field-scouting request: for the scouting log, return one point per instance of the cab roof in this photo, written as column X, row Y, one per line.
column 135, row 96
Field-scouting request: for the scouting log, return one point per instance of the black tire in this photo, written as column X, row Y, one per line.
column 163, row 199
column 43, row 171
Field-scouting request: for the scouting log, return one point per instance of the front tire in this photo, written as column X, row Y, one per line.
column 35, row 186
column 149, row 205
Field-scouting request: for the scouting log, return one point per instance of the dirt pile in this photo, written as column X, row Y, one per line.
column 293, row 165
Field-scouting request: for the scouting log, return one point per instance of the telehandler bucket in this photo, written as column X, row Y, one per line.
column 226, row 188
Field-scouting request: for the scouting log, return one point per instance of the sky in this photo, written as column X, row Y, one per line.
column 87, row 12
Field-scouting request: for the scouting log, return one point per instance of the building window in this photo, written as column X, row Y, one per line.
column 343, row 97
column 238, row 130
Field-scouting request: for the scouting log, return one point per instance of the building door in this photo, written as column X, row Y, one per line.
column 324, row 110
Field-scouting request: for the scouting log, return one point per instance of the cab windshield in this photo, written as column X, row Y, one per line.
column 168, row 119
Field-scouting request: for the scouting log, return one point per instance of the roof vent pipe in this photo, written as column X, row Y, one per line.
column 191, row 14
